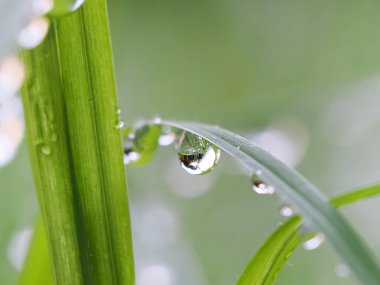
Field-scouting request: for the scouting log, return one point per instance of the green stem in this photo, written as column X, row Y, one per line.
column 75, row 146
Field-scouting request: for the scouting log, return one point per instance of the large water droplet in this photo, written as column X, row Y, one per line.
column 167, row 136
column 259, row 186
column 141, row 145
column 64, row 7
column 11, row 77
column 287, row 210
column 314, row 242
column 33, row 34
column 197, row 155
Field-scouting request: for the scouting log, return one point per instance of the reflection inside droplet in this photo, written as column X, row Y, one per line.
column 259, row 186
column 11, row 77
column 197, row 155
column 314, row 242
column 33, row 34
column 130, row 156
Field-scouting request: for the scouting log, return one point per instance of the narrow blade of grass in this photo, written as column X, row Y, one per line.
column 267, row 263
column 37, row 267
column 294, row 188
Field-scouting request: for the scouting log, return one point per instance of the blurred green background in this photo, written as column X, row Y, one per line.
column 301, row 78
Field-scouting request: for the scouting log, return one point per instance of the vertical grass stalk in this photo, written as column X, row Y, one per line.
column 75, row 150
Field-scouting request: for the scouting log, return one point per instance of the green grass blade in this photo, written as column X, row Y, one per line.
column 37, row 267
column 265, row 266
column 76, row 152
column 355, row 195
column 273, row 254
column 295, row 189
column 49, row 155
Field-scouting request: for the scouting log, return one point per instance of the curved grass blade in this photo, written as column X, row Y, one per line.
column 267, row 263
column 297, row 190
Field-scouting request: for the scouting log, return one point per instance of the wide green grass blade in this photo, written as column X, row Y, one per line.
column 295, row 189
column 76, row 152
column 267, row 263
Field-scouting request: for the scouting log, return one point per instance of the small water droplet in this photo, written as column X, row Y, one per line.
column 42, row 7
column 141, row 145
column 157, row 120
column 34, row 33
column 342, row 270
column 12, row 75
column 167, row 136
column 118, row 111
column 130, row 156
column 287, row 210
column 315, row 242
column 119, row 124
column 197, row 155
column 45, row 149
column 259, row 186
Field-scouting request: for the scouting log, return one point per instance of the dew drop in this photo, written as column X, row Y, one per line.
column 119, row 124
column 315, row 242
column 197, row 155
column 157, row 120
column 46, row 149
column 33, row 34
column 259, row 186
column 287, row 210
column 167, row 136
column 42, row 7
column 141, row 145
column 11, row 77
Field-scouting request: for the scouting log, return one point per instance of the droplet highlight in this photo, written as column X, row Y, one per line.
column 315, row 242
column 259, row 186
column 287, row 210
column 34, row 33
column 197, row 155
column 119, row 124
column 130, row 156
